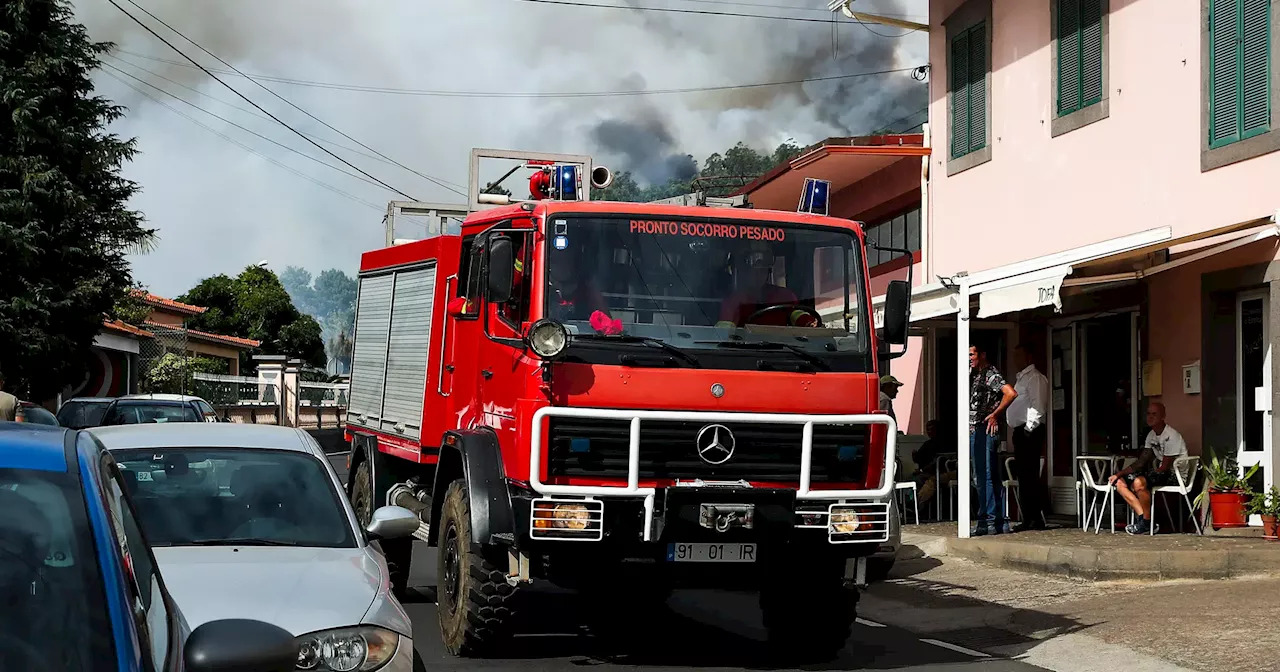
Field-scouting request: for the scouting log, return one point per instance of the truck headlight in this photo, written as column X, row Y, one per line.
column 356, row 649
column 548, row 338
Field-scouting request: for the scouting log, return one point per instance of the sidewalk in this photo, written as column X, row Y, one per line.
column 1068, row 625
column 1073, row 553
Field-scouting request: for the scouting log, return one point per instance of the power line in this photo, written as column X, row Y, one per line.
column 246, row 130
column 248, row 111
column 243, row 146
column 326, row 124
column 793, row 7
column 674, row 10
column 518, row 94
column 250, row 101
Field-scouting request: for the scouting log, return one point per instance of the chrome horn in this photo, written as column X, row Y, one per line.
column 601, row 177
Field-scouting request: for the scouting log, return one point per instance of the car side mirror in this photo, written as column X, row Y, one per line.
column 897, row 309
column 392, row 522
column 501, row 270
column 242, row 645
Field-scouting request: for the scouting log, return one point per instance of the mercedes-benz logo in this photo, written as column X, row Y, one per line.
column 715, row 444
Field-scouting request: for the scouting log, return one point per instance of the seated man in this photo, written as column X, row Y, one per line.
column 756, row 292
column 926, row 457
column 1154, row 468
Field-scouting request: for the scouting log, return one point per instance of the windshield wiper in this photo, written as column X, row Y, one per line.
column 648, row 340
column 239, row 541
column 813, row 359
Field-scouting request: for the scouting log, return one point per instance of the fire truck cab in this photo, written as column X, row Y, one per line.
column 626, row 399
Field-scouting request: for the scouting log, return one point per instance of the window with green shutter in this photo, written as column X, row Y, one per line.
column 968, row 84
column 1239, row 70
column 1080, row 55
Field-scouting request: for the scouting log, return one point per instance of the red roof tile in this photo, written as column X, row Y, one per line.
column 126, row 328
column 170, row 304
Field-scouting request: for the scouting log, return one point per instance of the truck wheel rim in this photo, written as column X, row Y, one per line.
column 452, row 576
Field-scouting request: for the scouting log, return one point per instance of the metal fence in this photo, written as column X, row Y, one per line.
column 222, row 390
column 158, row 373
column 323, row 394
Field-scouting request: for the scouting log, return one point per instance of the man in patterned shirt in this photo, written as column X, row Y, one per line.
column 989, row 396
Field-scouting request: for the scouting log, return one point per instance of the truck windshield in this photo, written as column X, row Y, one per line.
column 737, row 288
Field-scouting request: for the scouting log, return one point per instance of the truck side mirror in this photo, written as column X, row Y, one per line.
column 897, row 307
column 501, row 270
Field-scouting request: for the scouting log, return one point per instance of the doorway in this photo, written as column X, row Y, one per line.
column 1095, row 395
column 1253, row 389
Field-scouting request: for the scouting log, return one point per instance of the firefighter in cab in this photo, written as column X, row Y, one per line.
column 570, row 294
column 757, row 299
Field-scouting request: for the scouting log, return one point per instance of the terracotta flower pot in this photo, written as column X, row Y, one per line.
column 1269, row 527
column 1228, row 509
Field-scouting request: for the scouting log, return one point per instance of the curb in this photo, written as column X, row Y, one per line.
column 1091, row 564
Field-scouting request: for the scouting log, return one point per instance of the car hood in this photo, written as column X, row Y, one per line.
column 299, row 589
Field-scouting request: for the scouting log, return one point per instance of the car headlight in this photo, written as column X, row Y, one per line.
column 355, row 649
column 548, row 338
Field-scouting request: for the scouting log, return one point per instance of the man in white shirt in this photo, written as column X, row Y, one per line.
column 1153, row 469
column 1028, row 415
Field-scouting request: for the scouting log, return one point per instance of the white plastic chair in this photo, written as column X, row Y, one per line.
column 1011, row 484
column 1185, row 469
column 900, row 489
column 1104, row 495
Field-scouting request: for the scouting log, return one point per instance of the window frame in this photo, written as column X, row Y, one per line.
column 1217, row 155
column 1095, row 111
column 876, row 233
column 967, row 17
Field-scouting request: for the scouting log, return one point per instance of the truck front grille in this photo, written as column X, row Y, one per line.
column 590, row 447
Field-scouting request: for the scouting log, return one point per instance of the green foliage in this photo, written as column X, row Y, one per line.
column 173, row 373
column 130, row 308
column 1266, row 503
column 65, row 225
column 331, row 300
column 720, row 175
column 255, row 305
column 492, row 188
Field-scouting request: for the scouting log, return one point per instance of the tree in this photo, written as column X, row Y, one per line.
column 331, row 300
column 64, row 222
column 255, row 305
column 720, row 175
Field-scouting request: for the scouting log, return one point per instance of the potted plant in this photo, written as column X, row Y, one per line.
column 1227, row 491
column 1267, row 505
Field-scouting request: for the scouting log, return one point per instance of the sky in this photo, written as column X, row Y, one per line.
column 227, row 192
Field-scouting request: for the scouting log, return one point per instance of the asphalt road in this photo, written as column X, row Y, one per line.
column 708, row 630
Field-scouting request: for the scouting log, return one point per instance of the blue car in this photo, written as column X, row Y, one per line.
column 79, row 588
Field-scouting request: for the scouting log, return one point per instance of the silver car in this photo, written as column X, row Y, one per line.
column 251, row 522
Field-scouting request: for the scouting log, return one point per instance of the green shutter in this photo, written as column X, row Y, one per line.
column 977, row 87
column 1079, row 32
column 1068, row 56
column 1090, row 52
column 959, row 85
column 1239, row 70
column 1255, row 67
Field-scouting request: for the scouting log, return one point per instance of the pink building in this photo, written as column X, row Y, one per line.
column 1098, row 190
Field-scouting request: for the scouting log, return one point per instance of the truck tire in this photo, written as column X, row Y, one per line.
column 398, row 552
column 473, row 599
column 808, row 620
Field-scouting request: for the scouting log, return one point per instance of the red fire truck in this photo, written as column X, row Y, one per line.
column 625, row 399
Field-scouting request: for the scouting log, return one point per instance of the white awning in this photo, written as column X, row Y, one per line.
column 115, row 342
column 927, row 302
column 1022, row 292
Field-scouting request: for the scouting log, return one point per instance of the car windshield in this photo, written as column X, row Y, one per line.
column 51, row 589
column 234, row 496
column 80, row 414
column 39, row 416
column 705, row 285
column 141, row 412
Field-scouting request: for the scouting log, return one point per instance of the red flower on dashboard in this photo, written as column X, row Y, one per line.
column 605, row 324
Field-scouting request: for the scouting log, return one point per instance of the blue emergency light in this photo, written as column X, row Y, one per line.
column 814, row 197
column 567, row 182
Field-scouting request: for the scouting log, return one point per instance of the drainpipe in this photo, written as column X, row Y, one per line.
column 963, row 466
column 926, row 255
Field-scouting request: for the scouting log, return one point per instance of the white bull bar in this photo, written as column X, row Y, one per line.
column 632, row 488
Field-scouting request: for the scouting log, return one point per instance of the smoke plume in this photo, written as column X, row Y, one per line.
column 219, row 207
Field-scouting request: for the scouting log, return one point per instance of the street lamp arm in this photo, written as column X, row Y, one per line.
column 843, row 7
